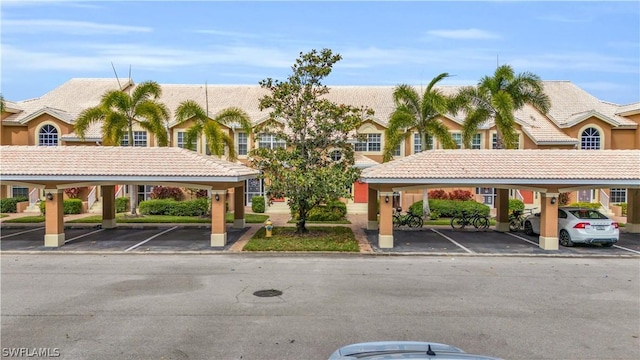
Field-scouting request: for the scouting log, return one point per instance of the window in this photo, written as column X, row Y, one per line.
column 139, row 139
column 19, row 191
column 372, row 142
column 182, row 141
column 617, row 196
column 242, row 144
column 336, row 155
column 476, row 142
column 417, row 143
column 494, row 141
column 396, row 151
column 590, row 139
column 457, row 138
column 269, row 141
column 48, row 136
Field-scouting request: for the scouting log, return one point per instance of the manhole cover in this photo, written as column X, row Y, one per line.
column 267, row 293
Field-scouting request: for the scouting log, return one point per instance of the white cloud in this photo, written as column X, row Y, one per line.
column 68, row 27
column 463, row 34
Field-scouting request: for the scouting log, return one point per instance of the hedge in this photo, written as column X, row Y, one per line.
column 257, row 204
column 515, row 204
column 69, row 206
column 122, row 204
column 9, row 205
column 197, row 207
column 450, row 208
column 333, row 211
column 588, row 205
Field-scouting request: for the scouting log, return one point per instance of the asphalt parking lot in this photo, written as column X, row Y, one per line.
column 196, row 238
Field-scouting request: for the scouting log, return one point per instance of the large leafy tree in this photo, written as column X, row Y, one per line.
column 118, row 111
column 421, row 112
column 313, row 129
column 498, row 97
column 216, row 137
column 2, row 104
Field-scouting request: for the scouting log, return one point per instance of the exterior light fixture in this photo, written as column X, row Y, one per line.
column 554, row 200
column 386, row 199
column 49, row 196
column 217, row 197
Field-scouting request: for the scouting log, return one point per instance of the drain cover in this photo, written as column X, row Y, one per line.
column 267, row 293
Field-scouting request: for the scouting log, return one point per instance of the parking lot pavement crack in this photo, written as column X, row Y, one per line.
column 240, row 293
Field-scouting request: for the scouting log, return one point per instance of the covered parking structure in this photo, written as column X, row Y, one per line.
column 549, row 172
column 56, row 168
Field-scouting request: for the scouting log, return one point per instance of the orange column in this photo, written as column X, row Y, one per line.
column 385, row 234
column 372, row 209
column 633, row 211
column 218, row 225
column 108, row 206
column 502, row 210
column 549, row 221
column 238, row 206
column 54, row 218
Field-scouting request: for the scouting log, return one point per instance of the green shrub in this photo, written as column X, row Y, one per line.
column 9, row 205
column 333, row 211
column 434, row 215
column 197, row 207
column 257, row 204
column 587, row 205
column 624, row 208
column 450, row 208
column 70, row 206
column 515, row 204
column 122, row 204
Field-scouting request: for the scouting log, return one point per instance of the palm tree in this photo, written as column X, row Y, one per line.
column 498, row 97
column 217, row 139
column 421, row 112
column 2, row 103
column 119, row 110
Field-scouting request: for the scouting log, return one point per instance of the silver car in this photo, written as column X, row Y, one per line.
column 579, row 225
column 403, row 350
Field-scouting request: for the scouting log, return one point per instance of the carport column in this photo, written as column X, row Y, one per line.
column 218, row 225
column 549, row 222
column 502, row 210
column 385, row 235
column 238, row 207
column 633, row 211
column 108, row 206
column 372, row 209
column 54, row 218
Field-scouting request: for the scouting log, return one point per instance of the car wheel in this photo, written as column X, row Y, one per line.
column 528, row 228
column 609, row 244
column 565, row 238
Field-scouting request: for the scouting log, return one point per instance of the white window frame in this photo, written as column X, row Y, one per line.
column 239, row 136
column 48, row 134
column 600, row 136
column 140, row 139
column 370, row 142
column 269, row 141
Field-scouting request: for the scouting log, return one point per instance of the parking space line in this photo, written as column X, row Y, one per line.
column 453, row 241
column 83, row 235
column 20, row 233
column 149, row 239
column 624, row 248
column 521, row 238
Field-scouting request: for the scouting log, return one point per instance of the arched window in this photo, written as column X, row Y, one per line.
column 48, row 136
column 590, row 139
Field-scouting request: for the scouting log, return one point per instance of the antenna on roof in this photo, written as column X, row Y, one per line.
column 117, row 79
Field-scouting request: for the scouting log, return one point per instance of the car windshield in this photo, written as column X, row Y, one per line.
column 587, row 214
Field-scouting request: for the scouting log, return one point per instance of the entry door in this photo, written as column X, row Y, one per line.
column 584, row 195
column 360, row 192
column 254, row 188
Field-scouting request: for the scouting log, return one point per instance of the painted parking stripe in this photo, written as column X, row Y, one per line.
column 627, row 249
column 21, row 232
column 149, row 239
column 83, row 235
column 524, row 239
column 453, row 241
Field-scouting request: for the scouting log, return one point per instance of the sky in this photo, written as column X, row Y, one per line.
column 594, row 44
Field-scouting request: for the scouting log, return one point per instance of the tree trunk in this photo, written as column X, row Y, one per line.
column 425, row 193
column 133, row 193
column 301, row 227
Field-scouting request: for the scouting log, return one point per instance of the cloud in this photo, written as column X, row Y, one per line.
column 68, row 27
column 463, row 34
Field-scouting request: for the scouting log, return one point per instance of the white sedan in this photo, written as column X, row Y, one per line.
column 579, row 225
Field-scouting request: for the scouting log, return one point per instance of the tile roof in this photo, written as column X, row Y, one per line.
column 570, row 104
column 92, row 162
column 539, row 166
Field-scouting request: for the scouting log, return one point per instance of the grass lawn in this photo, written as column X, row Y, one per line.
column 339, row 239
column 3, row 215
column 125, row 218
column 343, row 221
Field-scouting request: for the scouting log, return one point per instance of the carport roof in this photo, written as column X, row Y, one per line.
column 586, row 167
column 94, row 163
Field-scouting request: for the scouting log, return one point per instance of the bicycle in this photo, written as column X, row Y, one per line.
column 410, row 219
column 516, row 219
column 475, row 219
